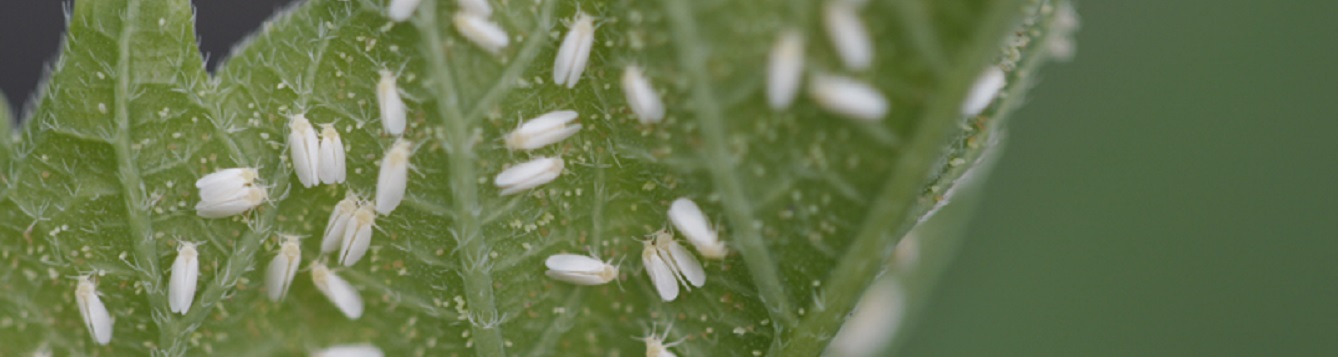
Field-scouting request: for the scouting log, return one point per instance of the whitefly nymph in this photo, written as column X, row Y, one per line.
column 688, row 218
column 528, row 175
column 574, row 52
column 643, row 98
column 544, row 130
column 94, row 313
column 185, row 274
column 848, row 97
column 580, row 269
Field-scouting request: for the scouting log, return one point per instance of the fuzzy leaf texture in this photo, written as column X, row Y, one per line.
column 100, row 178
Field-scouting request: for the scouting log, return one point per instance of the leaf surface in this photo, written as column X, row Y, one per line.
column 810, row 204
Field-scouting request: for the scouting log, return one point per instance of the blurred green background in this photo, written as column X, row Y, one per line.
column 1171, row 192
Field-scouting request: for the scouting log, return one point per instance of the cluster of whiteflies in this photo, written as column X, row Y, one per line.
column 319, row 158
column 842, row 94
column 666, row 262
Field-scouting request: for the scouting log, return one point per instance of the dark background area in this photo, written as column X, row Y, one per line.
column 1169, row 193
column 31, row 30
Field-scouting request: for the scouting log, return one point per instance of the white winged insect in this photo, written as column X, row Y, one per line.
column 185, row 274
column 96, row 318
column 669, row 264
column 785, row 69
column 392, row 106
column 542, row 131
column 580, row 269
column 477, row 7
column 482, row 32
column 281, row 270
column 340, row 292
column 643, row 98
column 394, row 176
column 847, row 33
column 528, row 175
column 354, row 350
column 849, row 97
column 400, row 10
column 983, row 91
column 357, row 236
column 574, row 52
column 228, row 192
column 655, row 345
column 688, row 269
column 331, row 161
column 688, row 218
column 225, row 183
column 304, row 148
column 661, row 273
column 334, row 229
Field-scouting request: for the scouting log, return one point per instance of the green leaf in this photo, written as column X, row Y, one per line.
column 6, row 136
column 811, row 204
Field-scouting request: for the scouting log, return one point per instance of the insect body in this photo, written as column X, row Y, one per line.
column 357, row 236
column 528, row 175
column 340, row 292
column 987, row 87
column 668, row 264
column 228, row 192
column 305, row 149
column 643, row 98
column 785, row 69
column 848, row 34
column 486, row 34
column 545, row 130
column 400, row 10
column 848, row 97
column 331, row 161
column 580, row 269
column 185, row 274
column 574, row 52
column 357, row 350
column 690, row 221
column 334, row 229
column 281, row 270
column 392, row 106
column 394, row 177
column 477, row 7
column 96, row 318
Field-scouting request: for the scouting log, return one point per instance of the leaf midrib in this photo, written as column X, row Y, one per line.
column 141, row 228
column 691, row 57
column 472, row 251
